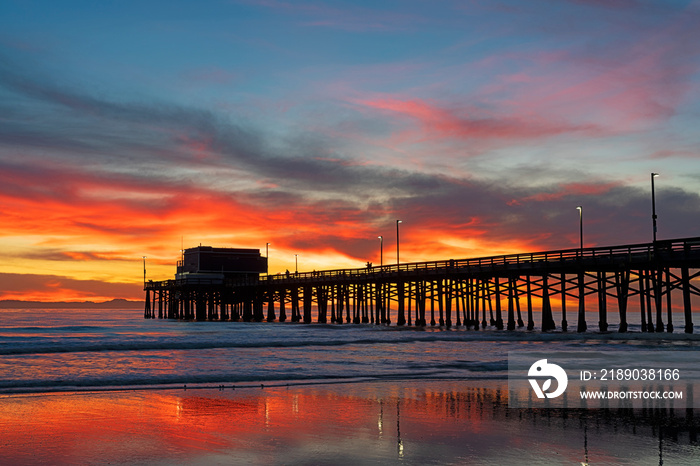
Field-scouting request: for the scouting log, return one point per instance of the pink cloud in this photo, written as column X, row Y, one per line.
column 671, row 153
column 626, row 88
column 437, row 122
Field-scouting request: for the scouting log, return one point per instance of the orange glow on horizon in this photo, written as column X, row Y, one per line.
column 99, row 230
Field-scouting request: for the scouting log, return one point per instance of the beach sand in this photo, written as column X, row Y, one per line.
column 399, row 422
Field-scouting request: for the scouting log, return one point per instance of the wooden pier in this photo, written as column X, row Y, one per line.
column 643, row 283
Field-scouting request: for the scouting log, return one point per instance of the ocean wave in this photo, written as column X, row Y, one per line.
column 64, row 347
column 184, row 381
column 12, row 345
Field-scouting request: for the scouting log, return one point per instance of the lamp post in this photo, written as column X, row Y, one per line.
column 653, row 204
column 267, row 258
column 397, row 241
column 144, row 272
column 381, row 250
column 580, row 224
column 296, row 263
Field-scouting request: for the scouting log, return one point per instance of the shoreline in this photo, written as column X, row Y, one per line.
column 250, row 385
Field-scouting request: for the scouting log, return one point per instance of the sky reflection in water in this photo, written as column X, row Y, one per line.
column 365, row 423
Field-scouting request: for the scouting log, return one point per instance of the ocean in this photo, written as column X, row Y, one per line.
column 440, row 377
column 53, row 350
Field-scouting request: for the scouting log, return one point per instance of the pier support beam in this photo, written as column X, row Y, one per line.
column 420, row 305
column 499, row 315
column 147, row 310
column 564, row 323
column 432, row 303
column 642, row 301
column 669, row 308
column 400, row 292
column 346, row 294
column 258, row 300
column 441, row 301
column 602, row 302
column 582, row 326
column 408, row 303
column 333, row 296
column 475, row 307
column 307, row 304
column 296, row 317
column 201, row 307
column 248, row 310
column 547, row 318
column 448, row 303
column 622, row 284
column 511, row 305
column 322, row 300
column 530, row 318
column 656, row 280
column 270, row 306
column 687, row 309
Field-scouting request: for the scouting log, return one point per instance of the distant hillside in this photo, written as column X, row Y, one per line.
column 113, row 304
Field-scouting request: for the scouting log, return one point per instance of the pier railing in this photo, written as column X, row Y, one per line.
column 589, row 257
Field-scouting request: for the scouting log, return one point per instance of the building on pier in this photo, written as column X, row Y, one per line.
column 217, row 264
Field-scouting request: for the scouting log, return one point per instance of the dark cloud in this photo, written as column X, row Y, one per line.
column 105, row 132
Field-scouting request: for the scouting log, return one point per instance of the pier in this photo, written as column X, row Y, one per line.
column 643, row 283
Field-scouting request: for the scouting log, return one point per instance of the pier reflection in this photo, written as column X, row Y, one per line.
column 407, row 423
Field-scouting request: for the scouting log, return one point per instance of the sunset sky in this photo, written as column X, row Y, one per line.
column 130, row 128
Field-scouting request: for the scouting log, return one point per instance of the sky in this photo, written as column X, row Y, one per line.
column 137, row 128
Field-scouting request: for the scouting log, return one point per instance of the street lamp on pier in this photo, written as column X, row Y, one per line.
column 653, row 204
column 296, row 263
column 267, row 258
column 381, row 250
column 397, row 241
column 144, row 272
column 580, row 225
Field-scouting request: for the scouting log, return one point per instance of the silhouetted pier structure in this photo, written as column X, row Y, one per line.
column 649, row 280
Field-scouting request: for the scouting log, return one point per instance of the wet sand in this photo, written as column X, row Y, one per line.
column 402, row 422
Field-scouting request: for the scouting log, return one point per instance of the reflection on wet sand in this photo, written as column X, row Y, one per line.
column 400, row 422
